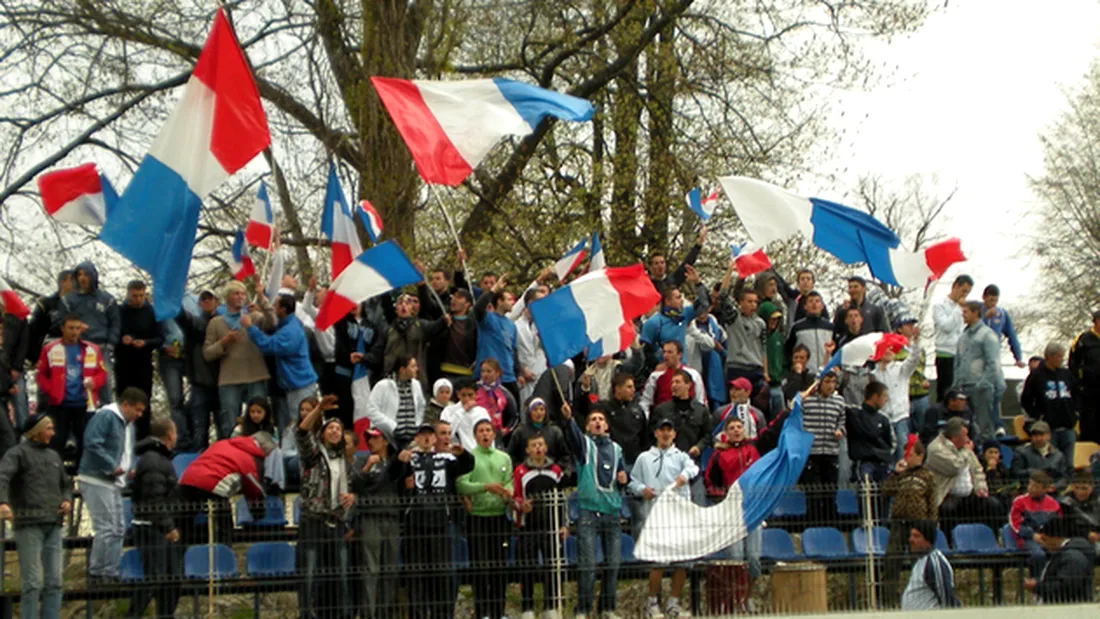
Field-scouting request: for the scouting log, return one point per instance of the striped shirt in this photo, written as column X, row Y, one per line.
column 822, row 417
column 406, row 412
column 931, row 584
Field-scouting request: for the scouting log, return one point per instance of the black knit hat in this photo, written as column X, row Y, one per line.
column 927, row 529
column 1056, row 527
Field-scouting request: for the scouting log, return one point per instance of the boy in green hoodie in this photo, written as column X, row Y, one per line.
column 776, row 361
column 489, row 487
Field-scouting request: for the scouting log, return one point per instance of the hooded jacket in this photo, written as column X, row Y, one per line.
column 34, row 483
column 658, row 469
column 599, row 460
column 556, row 448
column 96, row 308
column 153, row 488
column 1067, row 577
column 229, row 467
column 812, row 332
column 290, row 347
column 1048, row 395
column 727, row 465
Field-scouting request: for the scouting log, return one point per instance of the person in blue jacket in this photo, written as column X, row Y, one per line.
column 496, row 335
column 288, row 344
column 671, row 322
column 997, row 319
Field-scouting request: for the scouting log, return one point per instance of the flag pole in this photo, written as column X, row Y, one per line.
column 454, row 234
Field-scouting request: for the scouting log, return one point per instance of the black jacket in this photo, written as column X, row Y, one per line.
column 379, row 488
column 1048, row 395
column 628, row 426
column 1067, row 577
column 692, row 419
column 16, row 342
column 45, row 323
column 556, row 447
column 1084, row 517
column 154, row 487
column 433, row 493
column 1084, row 359
column 1027, row 459
column 34, row 483
column 199, row 370
column 140, row 323
column 874, row 319
column 870, row 436
column 935, row 418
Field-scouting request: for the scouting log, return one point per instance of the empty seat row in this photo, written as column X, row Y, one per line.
column 827, row 543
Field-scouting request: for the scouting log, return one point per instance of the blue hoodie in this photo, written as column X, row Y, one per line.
column 293, row 369
column 96, row 308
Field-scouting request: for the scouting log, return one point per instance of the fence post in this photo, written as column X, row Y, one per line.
column 557, row 545
column 868, row 525
column 210, row 559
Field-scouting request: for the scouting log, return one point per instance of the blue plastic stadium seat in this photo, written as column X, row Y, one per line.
column 846, row 503
column 879, row 537
column 824, row 543
column 627, row 550
column 269, row 559
column 1006, row 456
column 975, row 539
column 941, row 543
column 791, row 505
column 1009, row 540
column 196, row 564
column 274, row 513
column 181, row 461
column 130, row 569
column 777, row 545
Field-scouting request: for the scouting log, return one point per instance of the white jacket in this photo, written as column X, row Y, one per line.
column 896, row 376
column 948, row 319
column 530, row 354
column 463, row 422
column 383, row 402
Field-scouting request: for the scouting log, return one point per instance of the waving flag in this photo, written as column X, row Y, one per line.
column 678, row 530
column 372, row 221
column 571, row 260
column 615, row 342
column 261, row 221
column 11, row 302
column 376, row 271
column 450, row 127
column 241, row 263
column 590, row 308
column 749, row 262
column 217, row 128
column 771, row 213
column 865, row 348
column 597, row 261
column 338, row 226
column 77, row 195
column 704, row 206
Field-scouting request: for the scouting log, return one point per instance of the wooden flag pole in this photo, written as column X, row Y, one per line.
column 454, row 234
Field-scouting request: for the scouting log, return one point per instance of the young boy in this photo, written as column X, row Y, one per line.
column 777, row 363
column 601, row 474
column 464, row 415
column 1081, row 507
column 895, row 374
column 534, row 482
column 1031, row 511
column 427, row 556
column 535, row 424
column 800, row 376
column 734, row 453
column 663, row 467
column 489, row 486
column 1001, row 484
column 913, row 489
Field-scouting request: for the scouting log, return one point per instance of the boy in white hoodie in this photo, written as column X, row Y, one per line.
column 464, row 415
column 895, row 374
column 660, row 468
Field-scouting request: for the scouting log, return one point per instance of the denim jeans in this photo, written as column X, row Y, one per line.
column 20, row 403
column 204, row 401
column 1065, row 439
column 775, row 401
column 917, row 408
column 606, row 527
column 322, row 557
column 981, row 402
column 748, row 549
column 39, row 550
column 171, row 375
column 105, row 508
column 294, row 398
column 901, row 435
column 998, row 398
column 231, row 398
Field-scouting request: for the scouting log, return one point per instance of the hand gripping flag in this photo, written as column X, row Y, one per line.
column 376, row 271
column 865, row 348
column 217, row 128
column 571, row 260
column 597, row 261
column 77, row 195
column 372, row 221
column 678, row 530
column 12, row 303
column 450, row 127
column 704, row 206
column 749, row 261
column 771, row 213
column 241, row 263
column 261, row 221
column 338, row 226
column 590, row 308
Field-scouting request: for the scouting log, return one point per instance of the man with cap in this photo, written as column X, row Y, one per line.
column 753, row 418
column 36, row 493
column 1048, row 396
column 1067, row 577
column 378, row 474
column 931, row 581
column 1084, row 362
column 954, row 404
column 1041, row 455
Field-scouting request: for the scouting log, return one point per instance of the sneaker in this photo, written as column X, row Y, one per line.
column 551, row 614
column 1000, row 432
column 609, row 614
column 580, row 616
column 653, row 611
column 527, row 614
column 675, row 612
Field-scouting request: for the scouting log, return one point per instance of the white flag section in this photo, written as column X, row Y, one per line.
column 678, row 530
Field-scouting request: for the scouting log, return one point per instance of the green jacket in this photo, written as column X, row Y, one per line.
column 490, row 465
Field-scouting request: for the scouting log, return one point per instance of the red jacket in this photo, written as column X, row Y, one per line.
column 229, row 466
column 727, row 465
column 51, row 370
column 1027, row 515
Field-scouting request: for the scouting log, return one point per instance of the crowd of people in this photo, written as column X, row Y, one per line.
column 432, row 414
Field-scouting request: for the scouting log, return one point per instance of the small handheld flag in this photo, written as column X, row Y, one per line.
column 376, row 271
column 571, row 260
column 338, row 226
column 865, row 348
column 372, row 221
column 12, row 303
column 749, row 261
column 77, row 195
column 241, row 264
column 261, row 221
column 703, row 206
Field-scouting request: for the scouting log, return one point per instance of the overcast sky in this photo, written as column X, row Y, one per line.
column 971, row 92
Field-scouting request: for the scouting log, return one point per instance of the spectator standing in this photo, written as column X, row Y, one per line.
column 931, row 581
column 441, row 399
column 98, row 310
column 671, row 321
column 658, row 387
column 813, row 330
column 71, row 374
column 529, row 352
column 692, row 421
column 871, row 441
column 14, row 345
column 155, row 533
column 948, row 321
column 36, row 494
column 242, row 372
column 396, row 405
column 918, row 385
column 753, row 418
column 746, row 332
column 227, row 468
column 707, row 352
column 998, row 320
column 454, row 350
column 202, row 374
column 1067, row 577
column 496, row 400
column 1030, row 511
column 107, row 459
column 777, row 362
column 535, row 482
column 799, row 377
column 663, row 467
column 735, row 455
column 601, row 475
column 1040, row 455
column 140, row 337
column 171, row 365
column 895, row 374
column 535, row 424
column 290, row 347
column 658, row 265
column 378, row 481
column 1084, row 362
column 464, row 415
column 874, row 319
column 408, row 336
column 496, row 335
column 626, row 421
column 48, row 314
column 358, row 350
column 1048, row 396
column 824, row 416
column 913, row 491
column 978, row 366
column 489, row 486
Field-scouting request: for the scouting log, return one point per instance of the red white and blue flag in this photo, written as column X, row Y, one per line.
column 376, row 271
column 241, row 263
column 261, row 221
column 450, row 126
column 865, row 348
column 591, row 308
column 372, row 221
column 598, row 260
column 79, row 195
column 338, row 226
column 571, row 260
column 217, row 128
column 704, row 206
column 12, row 303
column 749, row 261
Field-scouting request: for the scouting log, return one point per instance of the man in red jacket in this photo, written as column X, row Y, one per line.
column 228, row 467
column 70, row 374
